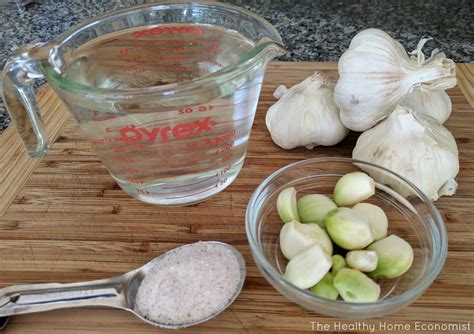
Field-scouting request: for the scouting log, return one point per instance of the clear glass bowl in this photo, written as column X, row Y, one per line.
column 411, row 216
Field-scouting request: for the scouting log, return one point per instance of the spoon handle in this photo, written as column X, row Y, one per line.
column 30, row 298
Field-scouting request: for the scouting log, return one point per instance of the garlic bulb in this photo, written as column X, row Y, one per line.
column 436, row 104
column 305, row 115
column 376, row 74
column 414, row 146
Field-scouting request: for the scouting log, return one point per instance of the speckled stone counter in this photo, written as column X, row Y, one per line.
column 318, row 30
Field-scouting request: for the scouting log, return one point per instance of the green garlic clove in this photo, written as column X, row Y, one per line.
column 395, row 257
column 355, row 287
column 308, row 267
column 286, row 205
column 353, row 188
column 325, row 287
column 377, row 218
column 362, row 260
column 296, row 237
column 348, row 228
column 313, row 208
column 338, row 262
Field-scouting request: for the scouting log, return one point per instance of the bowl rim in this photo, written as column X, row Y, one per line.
column 440, row 250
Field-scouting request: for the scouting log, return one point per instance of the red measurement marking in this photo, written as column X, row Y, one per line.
column 124, row 52
column 224, row 170
column 227, row 157
column 143, row 192
column 98, row 116
column 193, row 30
column 136, row 181
column 225, row 147
column 191, row 184
column 131, row 67
column 224, row 159
column 121, row 149
column 98, row 141
column 182, row 69
column 137, row 75
column 123, row 159
column 134, row 59
column 201, row 108
column 219, row 140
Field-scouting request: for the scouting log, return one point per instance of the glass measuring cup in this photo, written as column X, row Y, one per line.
column 166, row 93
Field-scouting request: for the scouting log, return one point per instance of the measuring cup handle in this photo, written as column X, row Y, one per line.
column 31, row 298
column 19, row 97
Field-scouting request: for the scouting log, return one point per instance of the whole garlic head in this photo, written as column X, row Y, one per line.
column 414, row 146
column 376, row 74
column 436, row 104
column 305, row 115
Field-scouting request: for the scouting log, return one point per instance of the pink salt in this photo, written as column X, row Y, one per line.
column 189, row 284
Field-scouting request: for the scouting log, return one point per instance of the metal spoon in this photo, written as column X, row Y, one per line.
column 117, row 292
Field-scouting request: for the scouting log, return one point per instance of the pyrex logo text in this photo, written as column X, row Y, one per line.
column 134, row 134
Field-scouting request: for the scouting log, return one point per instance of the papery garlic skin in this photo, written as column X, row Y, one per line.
column 305, row 115
column 414, row 146
column 376, row 74
column 436, row 104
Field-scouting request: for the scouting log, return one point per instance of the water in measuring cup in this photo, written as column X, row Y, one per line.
column 177, row 156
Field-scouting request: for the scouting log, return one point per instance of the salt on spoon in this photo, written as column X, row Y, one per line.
column 183, row 287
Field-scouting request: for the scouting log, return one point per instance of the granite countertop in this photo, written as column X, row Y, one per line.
column 312, row 30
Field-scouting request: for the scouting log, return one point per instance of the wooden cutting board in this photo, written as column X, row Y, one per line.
column 64, row 219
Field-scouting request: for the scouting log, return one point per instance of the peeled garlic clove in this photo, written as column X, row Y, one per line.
column 286, row 205
column 353, row 188
column 308, row 267
column 313, row 208
column 395, row 257
column 305, row 115
column 338, row 262
column 414, row 146
column 377, row 218
column 436, row 104
column 325, row 288
column 356, row 287
column 376, row 73
column 296, row 237
column 348, row 228
column 362, row 260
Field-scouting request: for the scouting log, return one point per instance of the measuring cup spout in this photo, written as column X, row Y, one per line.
column 268, row 50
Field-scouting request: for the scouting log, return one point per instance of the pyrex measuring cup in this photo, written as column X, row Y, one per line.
column 166, row 93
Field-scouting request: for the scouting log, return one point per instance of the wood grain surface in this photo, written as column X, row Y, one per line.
column 64, row 219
